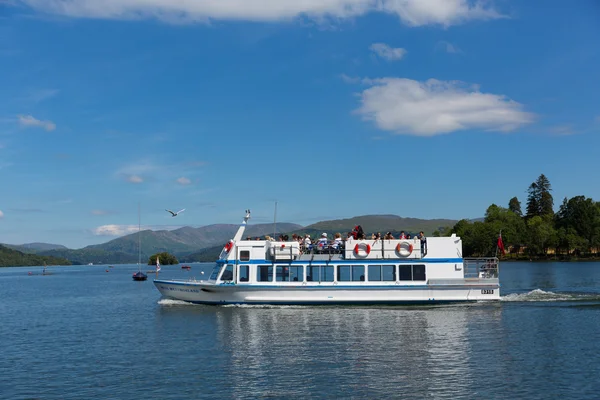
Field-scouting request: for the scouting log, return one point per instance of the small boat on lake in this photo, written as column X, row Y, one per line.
column 360, row 271
column 186, row 267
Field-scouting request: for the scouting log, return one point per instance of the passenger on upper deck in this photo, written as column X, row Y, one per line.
column 389, row 236
column 307, row 243
column 337, row 242
column 322, row 242
column 402, row 235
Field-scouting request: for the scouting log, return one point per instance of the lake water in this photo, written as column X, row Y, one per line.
column 86, row 333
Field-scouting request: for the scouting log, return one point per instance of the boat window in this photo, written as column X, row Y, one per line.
column 282, row 273
column 264, row 273
column 358, row 273
column 344, row 273
column 227, row 274
column 245, row 255
column 313, row 274
column 215, row 272
column 351, row 273
column 418, row 272
column 244, row 273
column 297, row 273
column 327, row 274
column 388, row 273
column 405, row 272
column 375, row 273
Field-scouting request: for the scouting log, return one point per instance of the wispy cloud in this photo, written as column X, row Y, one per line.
column 435, row 107
column 37, row 96
column 410, row 12
column 183, row 181
column 350, row 79
column 101, row 212
column 563, row 130
column 114, row 230
column 134, row 179
column 1, row 214
column 28, row 121
column 26, row 210
column 386, row 52
column 448, row 47
column 136, row 172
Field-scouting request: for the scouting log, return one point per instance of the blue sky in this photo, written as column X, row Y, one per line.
column 332, row 108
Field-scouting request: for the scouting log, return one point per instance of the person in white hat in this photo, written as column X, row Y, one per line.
column 322, row 243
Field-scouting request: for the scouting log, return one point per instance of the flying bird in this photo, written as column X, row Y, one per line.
column 174, row 214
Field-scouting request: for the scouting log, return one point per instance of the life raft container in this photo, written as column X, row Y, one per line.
column 362, row 249
column 228, row 246
column 404, row 249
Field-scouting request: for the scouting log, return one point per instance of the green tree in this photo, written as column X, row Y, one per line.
column 539, row 199
column 514, row 205
column 540, row 235
column 579, row 216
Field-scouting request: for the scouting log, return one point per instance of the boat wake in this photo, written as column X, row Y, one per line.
column 172, row 302
column 541, row 295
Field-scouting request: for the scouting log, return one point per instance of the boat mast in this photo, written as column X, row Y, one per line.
column 139, row 237
column 240, row 233
column 275, row 222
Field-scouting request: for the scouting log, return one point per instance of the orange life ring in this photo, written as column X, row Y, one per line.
column 407, row 250
column 362, row 246
column 228, row 246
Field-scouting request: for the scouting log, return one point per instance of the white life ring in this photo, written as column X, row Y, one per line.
column 404, row 249
column 362, row 249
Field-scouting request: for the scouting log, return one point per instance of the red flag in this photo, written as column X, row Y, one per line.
column 500, row 244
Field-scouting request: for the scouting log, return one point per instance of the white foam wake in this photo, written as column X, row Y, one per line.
column 172, row 302
column 541, row 295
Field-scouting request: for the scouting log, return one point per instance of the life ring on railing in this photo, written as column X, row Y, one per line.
column 362, row 249
column 404, row 249
column 228, row 246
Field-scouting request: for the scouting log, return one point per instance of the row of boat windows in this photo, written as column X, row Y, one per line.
column 344, row 273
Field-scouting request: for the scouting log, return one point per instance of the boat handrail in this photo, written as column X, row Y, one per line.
column 482, row 267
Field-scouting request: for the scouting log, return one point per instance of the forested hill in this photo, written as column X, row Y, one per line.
column 15, row 258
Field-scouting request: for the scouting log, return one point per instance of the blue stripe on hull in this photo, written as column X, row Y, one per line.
column 334, row 303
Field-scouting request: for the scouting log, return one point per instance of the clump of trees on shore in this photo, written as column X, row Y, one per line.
column 164, row 258
column 573, row 231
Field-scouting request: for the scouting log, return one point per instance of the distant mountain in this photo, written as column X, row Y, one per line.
column 179, row 242
column 34, row 247
column 379, row 223
column 14, row 258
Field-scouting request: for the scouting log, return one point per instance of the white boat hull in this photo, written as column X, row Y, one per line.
column 210, row 293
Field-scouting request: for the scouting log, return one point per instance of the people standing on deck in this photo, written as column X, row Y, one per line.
column 337, row 242
column 423, row 240
column 402, row 235
column 307, row 243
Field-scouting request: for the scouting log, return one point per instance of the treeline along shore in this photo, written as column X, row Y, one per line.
column 572, row 233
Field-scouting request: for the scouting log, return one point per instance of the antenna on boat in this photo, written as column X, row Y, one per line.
column 275, row 221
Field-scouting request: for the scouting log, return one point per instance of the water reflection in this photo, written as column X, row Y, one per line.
column 352, row 351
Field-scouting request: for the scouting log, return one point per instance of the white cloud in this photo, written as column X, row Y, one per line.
column 114, row 230
column 386, row 52
column 435, row 107
column 410, row 12
column 134, row 179
column 28, row 121
column 183, row 181
column 1, row 214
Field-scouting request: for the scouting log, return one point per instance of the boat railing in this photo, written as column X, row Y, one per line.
column 485, row 267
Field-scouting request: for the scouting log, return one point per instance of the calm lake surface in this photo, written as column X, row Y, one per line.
column 84, row 333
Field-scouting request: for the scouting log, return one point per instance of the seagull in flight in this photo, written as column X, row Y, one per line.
column 174, row 214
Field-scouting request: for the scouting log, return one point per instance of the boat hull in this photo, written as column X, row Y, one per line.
column 209, row 293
